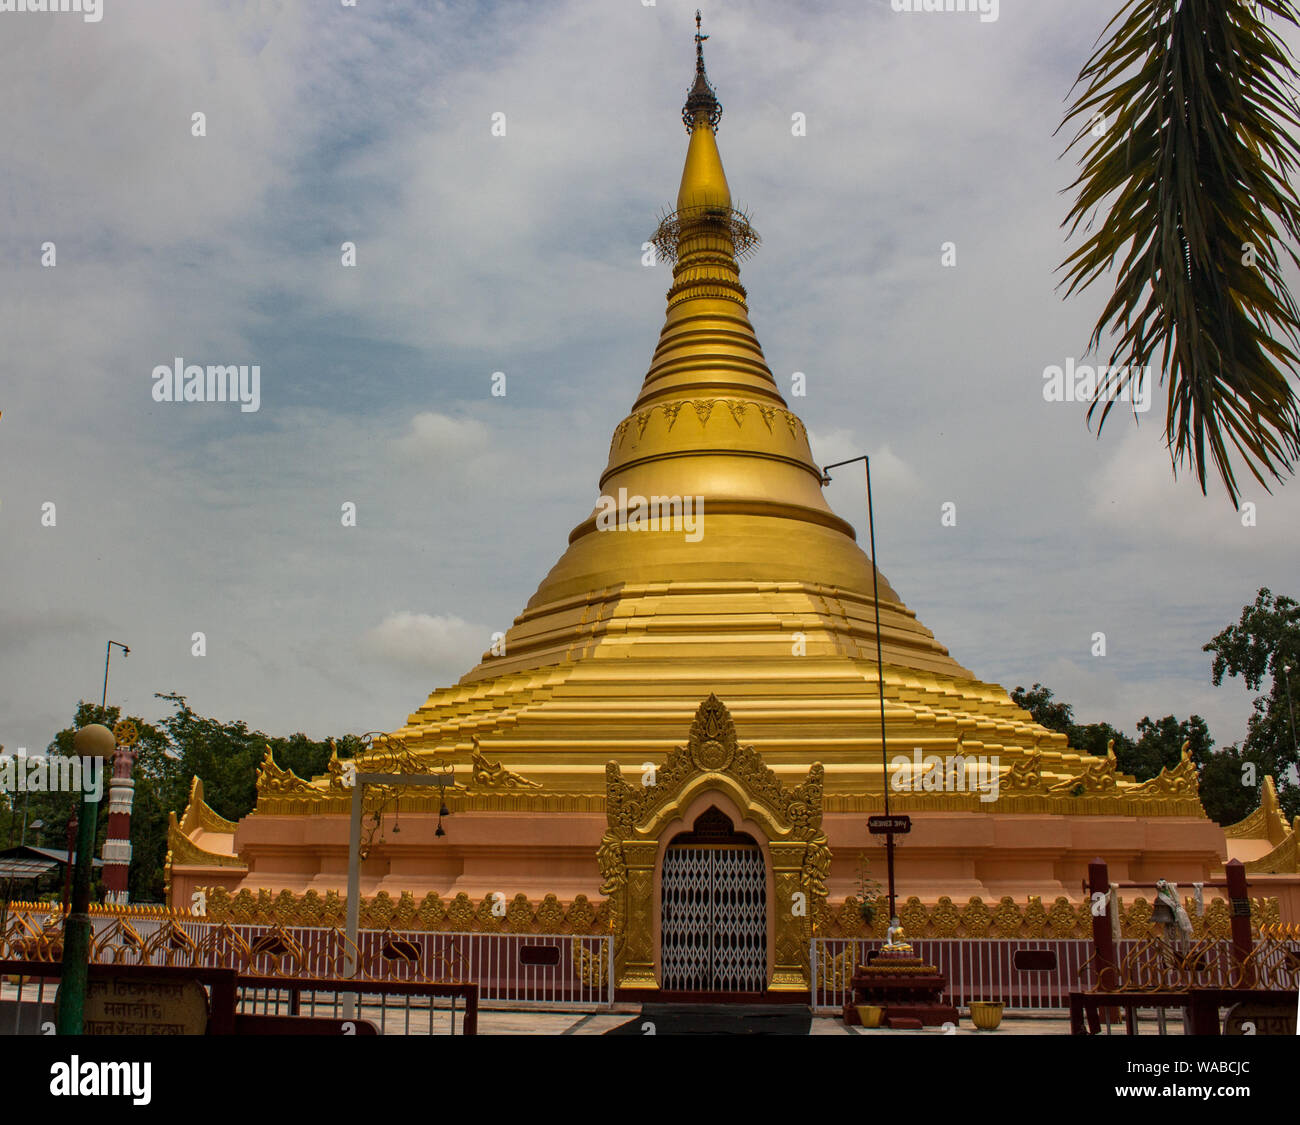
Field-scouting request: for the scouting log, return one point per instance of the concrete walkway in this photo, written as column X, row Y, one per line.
column 597, row 1023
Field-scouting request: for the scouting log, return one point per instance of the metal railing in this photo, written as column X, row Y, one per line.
column 391, row 1008
column 975, row 968
column 27, row 1004
column 260, row 1005
column 1040, row 974
column 514, row 970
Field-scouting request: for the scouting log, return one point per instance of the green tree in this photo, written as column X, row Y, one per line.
column 1227, row 794
column 1186, row 114
column 1095, row 738
column 1263, row 643
column 170, row 754
column 1160, row 745
column 1038, row 702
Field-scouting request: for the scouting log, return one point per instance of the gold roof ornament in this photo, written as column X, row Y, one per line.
column 704, row 197
column 701, row 99
column 493, row 775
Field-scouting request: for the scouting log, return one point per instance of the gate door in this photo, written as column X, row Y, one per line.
column 714, row 923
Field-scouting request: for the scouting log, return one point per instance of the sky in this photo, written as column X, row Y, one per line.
column 521, row 253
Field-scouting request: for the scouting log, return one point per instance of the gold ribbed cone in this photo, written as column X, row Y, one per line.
column 711, row 425
column 767, row 602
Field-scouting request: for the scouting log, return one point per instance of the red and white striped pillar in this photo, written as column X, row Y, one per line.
column 117, row 845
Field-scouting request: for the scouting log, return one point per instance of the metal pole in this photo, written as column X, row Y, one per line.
column 108, row 652
column 76, row 931
column 1239, row 907
column 67, row 867
column 354, row 895
column 880, row 671
column 359, row 782
column 1103, row 941
column 880, row 680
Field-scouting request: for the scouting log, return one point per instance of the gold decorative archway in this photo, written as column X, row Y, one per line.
column 790, row 820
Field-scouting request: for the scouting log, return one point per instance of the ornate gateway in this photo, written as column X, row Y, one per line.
column 717, row 901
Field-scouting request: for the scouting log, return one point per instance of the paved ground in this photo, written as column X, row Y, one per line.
column 597, row 1023
column 397, row 1020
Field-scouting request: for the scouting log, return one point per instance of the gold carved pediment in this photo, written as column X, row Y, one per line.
column 713, row 758
column 790, row 818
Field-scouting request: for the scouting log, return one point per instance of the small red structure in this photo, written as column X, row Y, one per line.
column 909, row 990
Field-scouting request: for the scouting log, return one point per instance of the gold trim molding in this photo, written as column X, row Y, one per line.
column 975, row 919
column 1008, row 919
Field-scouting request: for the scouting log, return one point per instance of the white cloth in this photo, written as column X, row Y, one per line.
column 1112, row 908
column 1168, row 894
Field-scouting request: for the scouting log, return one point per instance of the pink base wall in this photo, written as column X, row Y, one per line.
column 954, row 854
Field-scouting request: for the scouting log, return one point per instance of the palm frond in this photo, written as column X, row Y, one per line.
column 1191, row 175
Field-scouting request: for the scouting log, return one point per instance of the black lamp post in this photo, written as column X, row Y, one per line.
column 880, row 672
column 93, row 741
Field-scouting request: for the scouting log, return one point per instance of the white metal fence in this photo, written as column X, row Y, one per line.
column 1021, row 974
column 518, row 970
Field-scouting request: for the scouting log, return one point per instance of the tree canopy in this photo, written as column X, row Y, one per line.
column 170, row 754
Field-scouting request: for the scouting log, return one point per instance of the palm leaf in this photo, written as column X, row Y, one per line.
column 1191, row 170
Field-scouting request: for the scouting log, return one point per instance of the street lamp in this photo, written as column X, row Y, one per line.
column 92, row 741
column 108, row 652
column 880, row 671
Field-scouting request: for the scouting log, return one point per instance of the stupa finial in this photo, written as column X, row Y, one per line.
column 701, row 99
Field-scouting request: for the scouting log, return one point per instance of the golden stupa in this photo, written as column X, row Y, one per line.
column 705, row 645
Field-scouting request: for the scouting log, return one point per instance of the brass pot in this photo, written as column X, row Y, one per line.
column 870, row 1015
column 986, row 1014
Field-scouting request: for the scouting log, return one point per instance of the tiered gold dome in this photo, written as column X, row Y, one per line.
column 770, row 605
column 765, row 602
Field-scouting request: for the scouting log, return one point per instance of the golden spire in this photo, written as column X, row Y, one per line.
column 701, row 98
column 710, row 426
column 704, row 183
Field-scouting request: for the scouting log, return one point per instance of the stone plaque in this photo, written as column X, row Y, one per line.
column 1260, row 1017
column 136, row 1005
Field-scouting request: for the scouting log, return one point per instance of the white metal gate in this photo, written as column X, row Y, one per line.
column 714, row 920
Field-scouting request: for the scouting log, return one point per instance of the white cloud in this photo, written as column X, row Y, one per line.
column 434, row 437
column 887, row 467
column 426, row 642
column 1134, row 493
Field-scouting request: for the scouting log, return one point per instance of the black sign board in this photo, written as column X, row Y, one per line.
column 880, row 825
